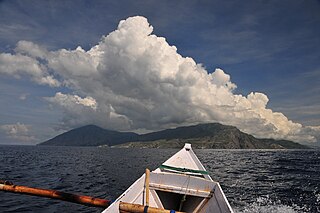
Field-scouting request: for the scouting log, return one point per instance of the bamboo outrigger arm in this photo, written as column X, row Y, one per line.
column 80, row 199
column 85, row 200
column 136, row 208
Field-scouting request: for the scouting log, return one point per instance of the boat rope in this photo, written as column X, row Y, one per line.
column 184, row 197
column 183, row 169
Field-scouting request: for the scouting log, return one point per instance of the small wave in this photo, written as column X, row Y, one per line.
column 318, row 197
column 266, row 205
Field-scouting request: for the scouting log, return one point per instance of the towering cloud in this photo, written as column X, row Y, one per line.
column 133, row 80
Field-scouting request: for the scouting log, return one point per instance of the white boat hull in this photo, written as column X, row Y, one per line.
column 180, row 184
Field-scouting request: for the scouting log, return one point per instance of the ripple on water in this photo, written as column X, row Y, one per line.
column 253, row 180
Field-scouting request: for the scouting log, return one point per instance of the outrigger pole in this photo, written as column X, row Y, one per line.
column 8, row 186
column 80, row 199
column 136, row 208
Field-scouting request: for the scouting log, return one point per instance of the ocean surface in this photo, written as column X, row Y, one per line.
column 253, row 180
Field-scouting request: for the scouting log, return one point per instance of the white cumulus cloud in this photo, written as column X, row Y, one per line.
column 133, row 79
column 19, row 65
column 79, row 111
column 18, row 131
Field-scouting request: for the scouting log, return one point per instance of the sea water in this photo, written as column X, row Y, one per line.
column 266, row 181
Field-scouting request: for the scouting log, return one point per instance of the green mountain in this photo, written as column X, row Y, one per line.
column 209, row 136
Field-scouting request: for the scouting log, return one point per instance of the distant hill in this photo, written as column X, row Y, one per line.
column 205, row 136
column 91, row 135
column 209, row 136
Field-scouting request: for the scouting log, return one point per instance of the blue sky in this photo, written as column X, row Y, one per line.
column 271, row 47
